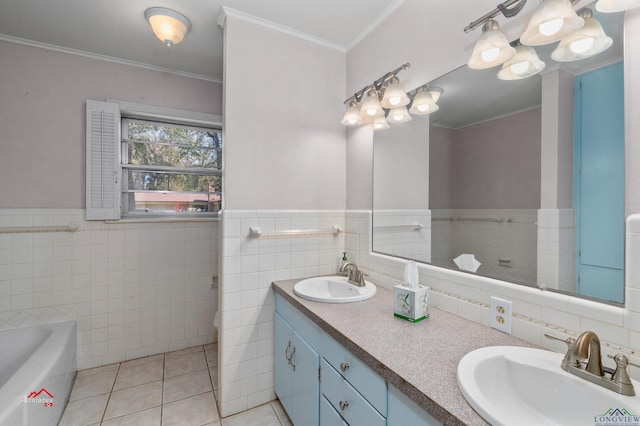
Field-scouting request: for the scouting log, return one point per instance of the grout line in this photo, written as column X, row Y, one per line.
column 110, row 393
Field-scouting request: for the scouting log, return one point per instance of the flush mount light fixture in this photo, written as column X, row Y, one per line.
column 168, row 25
column 550, row 22
column 587, row 41
column 524, row 63
column 611, row 6
column 491, row 49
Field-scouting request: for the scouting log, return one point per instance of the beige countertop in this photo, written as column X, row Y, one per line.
column 420, row 359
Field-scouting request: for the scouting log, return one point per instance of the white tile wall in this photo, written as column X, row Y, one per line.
column 135, row 289
column 395, row 233
column 513, row 239
column 557, row 249
column 248, row 267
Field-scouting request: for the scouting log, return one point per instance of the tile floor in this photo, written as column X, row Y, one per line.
column 176, row 388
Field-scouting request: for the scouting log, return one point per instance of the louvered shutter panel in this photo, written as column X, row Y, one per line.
column 103, row 165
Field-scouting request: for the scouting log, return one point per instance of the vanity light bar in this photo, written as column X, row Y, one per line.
column 377, row 84
column 509, row 9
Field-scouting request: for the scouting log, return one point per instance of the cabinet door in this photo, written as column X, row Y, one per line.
column 296, row 374
column 283, row 372
column 306, row 387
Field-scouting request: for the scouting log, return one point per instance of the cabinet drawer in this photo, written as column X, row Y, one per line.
column 328, row 415
column 361, row 377
column 346, row 400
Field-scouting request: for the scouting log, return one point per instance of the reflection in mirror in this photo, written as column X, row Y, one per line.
column 525, row 177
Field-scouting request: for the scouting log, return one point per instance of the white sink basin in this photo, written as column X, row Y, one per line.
column 333, row 289
column 510, row 385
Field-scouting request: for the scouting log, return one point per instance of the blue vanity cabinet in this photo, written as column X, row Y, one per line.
column 402, row 411
column 320, row 382
column 296, row 365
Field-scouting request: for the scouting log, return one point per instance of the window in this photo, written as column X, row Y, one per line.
column 151, row 161
column 170, row 169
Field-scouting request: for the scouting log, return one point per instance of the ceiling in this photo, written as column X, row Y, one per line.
column 118, row 29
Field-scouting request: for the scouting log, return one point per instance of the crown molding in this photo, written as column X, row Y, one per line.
column 226, row 11
column 374, row 24
column 97, row 56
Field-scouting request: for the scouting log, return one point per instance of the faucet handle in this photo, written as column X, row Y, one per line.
column 569, row 340
column 621, row 375
column 569, row 358
column 622, row 358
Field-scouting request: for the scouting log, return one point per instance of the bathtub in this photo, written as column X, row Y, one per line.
column 37, row 371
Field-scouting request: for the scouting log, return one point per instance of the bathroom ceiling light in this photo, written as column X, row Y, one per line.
column 352, row 116
column 168, row 25
column 524, row 63
column 491, row 49
column 398, row 115
column 550, row 22
column 371, row 105
column 587, row 41
column 394, row 94
column 423, row 102
column 611, row 6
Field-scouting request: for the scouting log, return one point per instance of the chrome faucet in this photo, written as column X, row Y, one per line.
column 586, row 350
column 355, row 276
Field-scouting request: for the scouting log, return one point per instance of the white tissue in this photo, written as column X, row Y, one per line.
column 467, row 262
column 410, row 277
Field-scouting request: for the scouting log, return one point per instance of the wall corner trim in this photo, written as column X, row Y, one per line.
column 226, row 12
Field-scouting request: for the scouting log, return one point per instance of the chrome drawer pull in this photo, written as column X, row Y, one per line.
column 343, row 405
column 344, row 366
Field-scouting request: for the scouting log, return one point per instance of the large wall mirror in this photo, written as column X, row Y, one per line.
column 517, row 180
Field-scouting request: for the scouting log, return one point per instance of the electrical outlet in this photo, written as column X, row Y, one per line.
column 500, row 315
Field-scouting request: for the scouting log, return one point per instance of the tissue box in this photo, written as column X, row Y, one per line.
column 411, row 304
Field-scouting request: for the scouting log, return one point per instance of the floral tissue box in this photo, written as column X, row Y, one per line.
column 411, row 304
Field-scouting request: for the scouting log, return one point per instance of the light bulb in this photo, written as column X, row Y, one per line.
column 394, row 94
column 490, row 55
column 380, row 123
column 582, row 45
column 423, row 108
column 352, row 116
column 491, row 49
column 551, row 27
column 371, row 105
column 520, row 67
